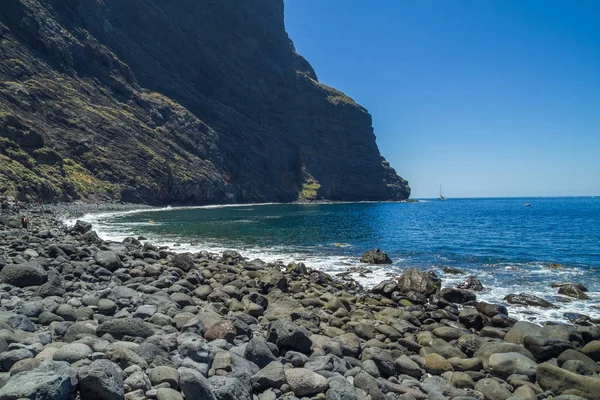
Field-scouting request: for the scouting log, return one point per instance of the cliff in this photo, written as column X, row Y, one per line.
column 174, row 101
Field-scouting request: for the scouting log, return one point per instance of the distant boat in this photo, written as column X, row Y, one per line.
column 526, row 205
column 441, row 194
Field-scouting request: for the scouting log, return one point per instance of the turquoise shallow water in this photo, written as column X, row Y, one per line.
column 506, row 245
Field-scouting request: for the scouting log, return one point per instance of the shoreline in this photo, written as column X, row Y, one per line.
column 272, row 330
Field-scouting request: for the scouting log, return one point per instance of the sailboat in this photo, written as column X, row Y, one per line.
column 441, row 194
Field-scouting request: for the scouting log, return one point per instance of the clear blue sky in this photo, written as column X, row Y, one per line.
column 488, row 98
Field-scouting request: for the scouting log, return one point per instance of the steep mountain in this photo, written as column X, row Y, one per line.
column 174, row 101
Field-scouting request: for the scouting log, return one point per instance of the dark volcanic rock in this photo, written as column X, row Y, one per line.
column 137, row 100
column 413, row 280
column 528, row 300
column 375, row 257
column 459, row 296
column 286, row 334
column 22, row 275
column 118, row 328
column 102, row 380
column 573, row 291
column 471, row 283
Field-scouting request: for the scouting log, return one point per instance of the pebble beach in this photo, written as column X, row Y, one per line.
column 84, row 318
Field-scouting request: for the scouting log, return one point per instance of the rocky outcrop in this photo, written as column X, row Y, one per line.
column 174, row 102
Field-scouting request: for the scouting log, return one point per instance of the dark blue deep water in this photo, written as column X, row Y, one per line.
column 506, row 245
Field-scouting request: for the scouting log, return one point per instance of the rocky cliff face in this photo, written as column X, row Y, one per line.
column 174, row 101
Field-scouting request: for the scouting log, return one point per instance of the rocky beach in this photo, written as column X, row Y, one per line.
column 84, row 318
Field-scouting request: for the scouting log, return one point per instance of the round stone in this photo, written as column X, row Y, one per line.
column 72, row 352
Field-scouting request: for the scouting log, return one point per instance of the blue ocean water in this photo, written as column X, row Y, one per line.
column 507, row 245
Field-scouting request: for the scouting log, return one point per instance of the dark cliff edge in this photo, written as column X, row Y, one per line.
column 174, row 101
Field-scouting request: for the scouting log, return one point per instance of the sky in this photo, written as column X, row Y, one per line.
column 489, row 98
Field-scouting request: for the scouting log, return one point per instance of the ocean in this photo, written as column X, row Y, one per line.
column 505, row 244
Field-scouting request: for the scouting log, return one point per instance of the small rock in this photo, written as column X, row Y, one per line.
column 375, row 257
column 304, row 382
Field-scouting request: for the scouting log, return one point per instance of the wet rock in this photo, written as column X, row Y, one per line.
column 471, row 283
column 452, row 270
column 458, row 296
column 101, row 380
column 573, row 291
column 375, row 256
column 528, row 300
column 562, row 284
column 82, row 226
column 490, row 310
column 413, row 280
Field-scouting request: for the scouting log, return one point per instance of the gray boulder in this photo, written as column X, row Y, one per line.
column 82, row 226
column 559, row 381
column 375, row 256
column 340, row 389
column 487, row 349
column 492, row 390
column 257, row 351
column 287, row 335
column 9, row 358
column 382, row 358
column 527, row 299
column 108, row 259
column 194, row 385
column 120, row 327
column 101, row 380
column 544, row 348
column 30, row 273
column 413, row 280
column 506, row 364
column 72, row 352
column 404, row 365
column 471, row 283
column 50, row 381
column 304, row 382
column 229, row 388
